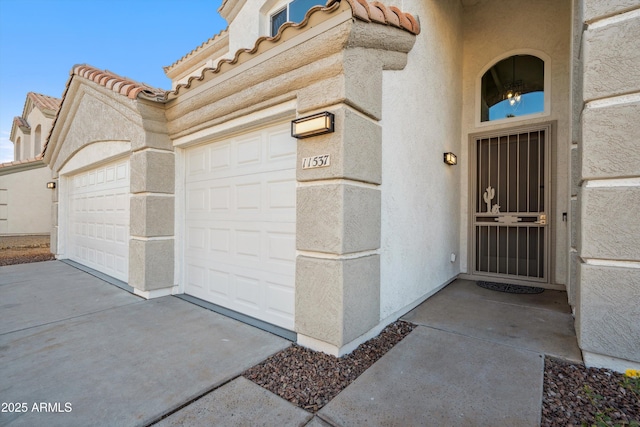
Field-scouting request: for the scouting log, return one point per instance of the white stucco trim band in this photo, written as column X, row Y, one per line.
column 612, row 102
column 149, row 239
column 324, row 255
column 612, row 263
column 156, row 293
column 612, row 182
column 151, row 149
column 149, row 193
column 615, row 19
column 338, row 181
column 96, row 153
column 595, row 360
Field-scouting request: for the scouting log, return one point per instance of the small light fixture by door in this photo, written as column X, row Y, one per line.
column 51, row 185
column 316, row 124
column 450, row 159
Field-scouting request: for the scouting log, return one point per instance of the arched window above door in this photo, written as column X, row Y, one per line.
column 513, row 87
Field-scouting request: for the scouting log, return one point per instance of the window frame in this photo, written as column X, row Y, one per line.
column 518, row 119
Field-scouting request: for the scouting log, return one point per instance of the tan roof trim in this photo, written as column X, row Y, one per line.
column 375, row 12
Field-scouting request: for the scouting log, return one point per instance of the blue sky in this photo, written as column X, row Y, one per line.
column 41, row 40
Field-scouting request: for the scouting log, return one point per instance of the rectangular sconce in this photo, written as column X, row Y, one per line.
column 316, row 124
column 51, row 185
column 450, row 159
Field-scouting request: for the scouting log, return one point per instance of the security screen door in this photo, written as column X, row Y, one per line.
column 511, row 205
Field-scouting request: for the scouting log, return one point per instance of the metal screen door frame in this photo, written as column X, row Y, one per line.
column 493, row 213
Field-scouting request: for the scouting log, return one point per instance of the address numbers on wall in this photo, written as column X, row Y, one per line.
column 320, row 161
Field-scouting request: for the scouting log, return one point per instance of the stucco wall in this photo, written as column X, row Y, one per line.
column 37, row 118
column 420, row 194
column 95, row 126
column 25, row 202
column 608, row 199
column 245, row 27
column 491, row 33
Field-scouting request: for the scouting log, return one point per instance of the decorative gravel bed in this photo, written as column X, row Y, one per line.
column 578, row 396
column 25, row 254
column 310, row 379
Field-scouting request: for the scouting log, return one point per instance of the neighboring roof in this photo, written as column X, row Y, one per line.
column 121, row 85
column 44, row 102
column 374, row 12
column 47, row 104
column 20, row 165
column 210, row 42
column 21, row 122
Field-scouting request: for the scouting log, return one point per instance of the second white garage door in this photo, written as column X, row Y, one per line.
column 240, row 209
column 98, row 220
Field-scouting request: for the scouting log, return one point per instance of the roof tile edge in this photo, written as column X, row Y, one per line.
column 360, row 9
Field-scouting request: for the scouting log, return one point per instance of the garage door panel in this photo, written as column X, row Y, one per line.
column 240, row 224
column 264, row 152
column 264, row 295
column 245, row 199
column 246, row 242
column 281, row 145
column 98, row 223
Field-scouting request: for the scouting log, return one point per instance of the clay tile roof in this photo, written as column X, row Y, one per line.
column 45, row 102
column 197, row 49
column 21, row 122
column 21, row 162
column 122, row 85
column 378, row 12
column 361, row 9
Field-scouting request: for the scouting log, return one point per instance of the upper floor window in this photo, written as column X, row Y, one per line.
column 513, row 87
column 292, row 12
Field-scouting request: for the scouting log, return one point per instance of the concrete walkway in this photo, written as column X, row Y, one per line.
column 475, row 359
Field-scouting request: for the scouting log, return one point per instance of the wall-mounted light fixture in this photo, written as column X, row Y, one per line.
column 450, row 159
column 51, row 185
column 316, row 124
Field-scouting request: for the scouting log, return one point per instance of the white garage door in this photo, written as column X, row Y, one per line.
column 240, row 224
column 98, row 223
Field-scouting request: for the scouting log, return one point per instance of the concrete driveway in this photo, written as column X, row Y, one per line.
column 75, row 350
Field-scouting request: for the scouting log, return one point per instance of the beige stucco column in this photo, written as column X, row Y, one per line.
column 338, row 207
column 151, row 244
column 608, row 202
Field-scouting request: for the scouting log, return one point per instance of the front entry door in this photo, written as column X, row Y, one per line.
column 511, row 204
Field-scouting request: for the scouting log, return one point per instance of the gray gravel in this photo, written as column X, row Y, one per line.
column 575, row 395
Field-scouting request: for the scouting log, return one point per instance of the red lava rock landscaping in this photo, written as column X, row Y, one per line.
column 575, row 395
column 310, row 379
